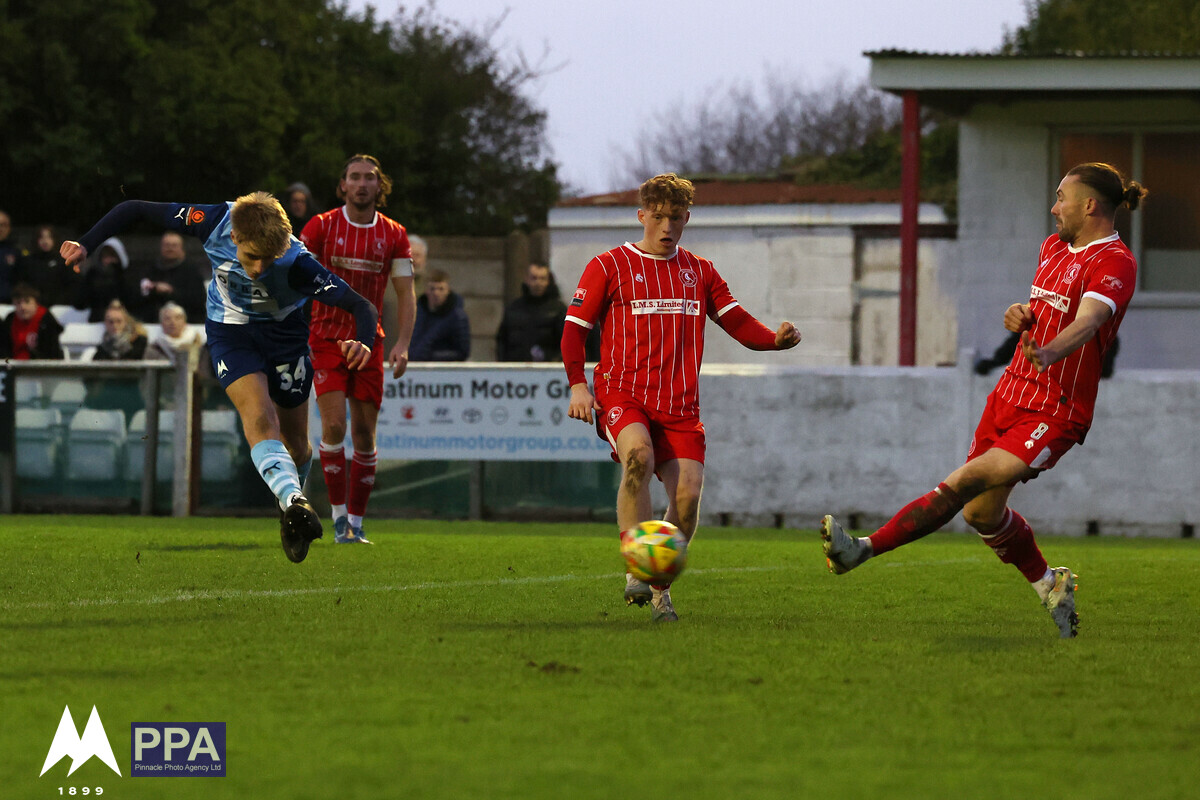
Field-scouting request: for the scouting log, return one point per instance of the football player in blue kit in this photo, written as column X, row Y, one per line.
column 257, row 333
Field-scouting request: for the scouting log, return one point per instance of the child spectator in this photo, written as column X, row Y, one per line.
column 30, row 331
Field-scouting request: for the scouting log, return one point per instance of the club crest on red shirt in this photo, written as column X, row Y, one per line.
column 1112, row 282
column 687, row 276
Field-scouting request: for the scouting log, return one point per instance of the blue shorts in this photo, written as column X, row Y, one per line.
column 279, row 350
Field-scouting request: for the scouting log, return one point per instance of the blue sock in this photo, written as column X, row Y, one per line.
column 276, row 467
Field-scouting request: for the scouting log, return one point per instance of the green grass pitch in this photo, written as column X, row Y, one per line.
column 489, row 660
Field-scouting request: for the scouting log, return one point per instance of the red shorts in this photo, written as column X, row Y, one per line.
column 332, row 375
column 672, row 436
column 1035, row 437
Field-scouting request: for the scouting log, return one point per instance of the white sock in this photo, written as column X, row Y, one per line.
column 1044, row 584
column 355, row 521
column 339, row 511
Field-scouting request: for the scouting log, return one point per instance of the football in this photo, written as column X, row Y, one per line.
column 654, row 551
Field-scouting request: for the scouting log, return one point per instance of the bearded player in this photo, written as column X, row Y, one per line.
column 651, row 300
column 1042, row 405
column 368, row 250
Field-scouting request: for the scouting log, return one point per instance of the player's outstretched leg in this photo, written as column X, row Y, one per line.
column 843, row 552
column 299, row 525
column 662, row 608
column 1059, row 600
column 637, row 593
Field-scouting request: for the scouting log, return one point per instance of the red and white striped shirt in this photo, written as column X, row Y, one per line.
column 365, row 256
column 651, row 310
column 1104, row 270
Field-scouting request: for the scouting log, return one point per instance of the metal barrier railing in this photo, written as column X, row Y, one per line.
column 185, row 486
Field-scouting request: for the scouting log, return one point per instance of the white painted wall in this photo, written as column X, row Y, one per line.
column 787, row 262
column 1008, row 172
column 803, row 442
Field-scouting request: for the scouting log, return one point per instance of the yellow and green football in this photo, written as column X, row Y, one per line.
column 654, row 551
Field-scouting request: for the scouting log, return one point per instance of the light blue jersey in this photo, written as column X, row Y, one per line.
column 235, row 298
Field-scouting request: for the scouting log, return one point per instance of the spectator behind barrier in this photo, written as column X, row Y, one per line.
column 103, row 281
column 45, row 270
column 169, row 279
column 301, row 207
column 124, row 337
column 442, row 331
column 9, row 254
column 30, row 331
column 420, row 256
column 533, row 323
column 124, row 340
column 173, row 344
column 1003, row 356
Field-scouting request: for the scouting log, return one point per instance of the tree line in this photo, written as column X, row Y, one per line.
column 205, row 99
column 202, row 100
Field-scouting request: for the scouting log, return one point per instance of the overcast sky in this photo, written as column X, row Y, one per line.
column 620, row 63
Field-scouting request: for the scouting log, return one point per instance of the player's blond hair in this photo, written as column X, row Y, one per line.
column 261, row 225
column 667, row 189
column 385, row 183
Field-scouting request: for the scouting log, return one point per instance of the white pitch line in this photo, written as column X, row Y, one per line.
column 241, row 594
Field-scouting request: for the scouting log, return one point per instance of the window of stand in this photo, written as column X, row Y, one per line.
column 1164, row 234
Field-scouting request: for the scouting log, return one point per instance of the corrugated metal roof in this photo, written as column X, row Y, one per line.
column 1074, row 54
column 749, row 193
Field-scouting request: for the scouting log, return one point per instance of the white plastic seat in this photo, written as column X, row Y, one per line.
column 135, row 450
column 78, row 336
column 69, row 315
column 67, row 396
column 222, row 435
column 95, row 445
column 39, row 443
column 30, row 393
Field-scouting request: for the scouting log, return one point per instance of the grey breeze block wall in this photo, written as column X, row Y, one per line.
column 787, row 445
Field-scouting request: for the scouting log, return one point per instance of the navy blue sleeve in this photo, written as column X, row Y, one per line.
column 308, row 277
column 191, row 220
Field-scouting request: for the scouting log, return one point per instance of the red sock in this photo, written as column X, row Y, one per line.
column 333, row 464
column 362, row 481
column 1014, row 544
column 919, row 518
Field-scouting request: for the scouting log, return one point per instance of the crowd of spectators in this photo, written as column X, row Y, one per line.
column 124, row 292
